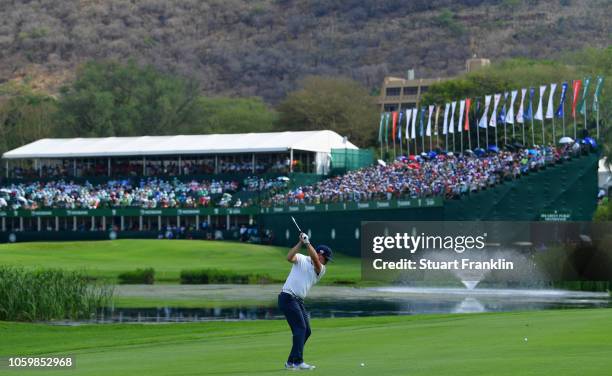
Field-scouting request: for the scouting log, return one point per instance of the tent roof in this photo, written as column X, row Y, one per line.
column 314, row 141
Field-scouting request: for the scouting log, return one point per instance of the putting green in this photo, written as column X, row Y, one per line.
column 572, row 342
column 167, row 257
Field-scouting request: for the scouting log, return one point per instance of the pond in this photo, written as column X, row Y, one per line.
column 247, row 302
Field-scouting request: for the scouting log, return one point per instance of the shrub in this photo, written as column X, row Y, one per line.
column 53, row 294
column 212, row 276
column 138, row 276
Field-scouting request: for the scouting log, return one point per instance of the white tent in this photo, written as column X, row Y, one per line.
column 319, row 142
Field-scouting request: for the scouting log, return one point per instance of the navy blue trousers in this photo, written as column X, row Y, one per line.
column 297, row 317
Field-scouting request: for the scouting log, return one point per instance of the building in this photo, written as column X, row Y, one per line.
column 401, row 93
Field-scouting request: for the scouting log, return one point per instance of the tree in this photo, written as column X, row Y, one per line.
column 232, row 115
column 113, row 99
column 338, row 104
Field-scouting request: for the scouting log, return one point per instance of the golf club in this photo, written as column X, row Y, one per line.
column 296, row 225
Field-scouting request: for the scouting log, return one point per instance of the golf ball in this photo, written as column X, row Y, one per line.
column 363, row 364
column 525, row 339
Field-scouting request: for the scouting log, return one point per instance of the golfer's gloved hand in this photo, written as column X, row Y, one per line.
column 304, row 238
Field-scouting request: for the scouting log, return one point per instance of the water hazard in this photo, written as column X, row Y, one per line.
column 259, row 302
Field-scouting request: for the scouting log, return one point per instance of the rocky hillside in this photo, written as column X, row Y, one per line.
column 246, row 47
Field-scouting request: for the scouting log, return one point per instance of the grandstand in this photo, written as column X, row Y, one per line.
column 246, row 186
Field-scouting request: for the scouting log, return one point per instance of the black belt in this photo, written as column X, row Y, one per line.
column 293, row 296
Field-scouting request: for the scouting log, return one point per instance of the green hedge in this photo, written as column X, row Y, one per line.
column 215, row 276
column 138, row 276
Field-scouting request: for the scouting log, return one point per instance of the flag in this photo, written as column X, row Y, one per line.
column 386, row 128
column 394, row 128
column 483, row 120
column 380, row 128
column 539, row 115
column 468, row 102
column 581, row 106
column 493, row 121
column 520, row 115
column 408, row 118
column 529, row 113
column 436, row 122
column 451, row 124
column 600, row 81
column 399, row 126
column 551, row 98
column 414, row 124
column 575, row 90
column 422, row 121
column 428, row 131
column 502, row 113
column 461, row 110
column 445, row 124
column 561, row 109
column 510, row 114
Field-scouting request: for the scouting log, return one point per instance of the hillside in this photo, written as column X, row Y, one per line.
column 247, row 48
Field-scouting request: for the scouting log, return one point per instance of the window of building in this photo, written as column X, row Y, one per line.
column 410, row 90
column 391, row 107
column 424, row 89
column 393, row 91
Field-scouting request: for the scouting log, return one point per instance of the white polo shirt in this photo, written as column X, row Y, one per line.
column 302, row 276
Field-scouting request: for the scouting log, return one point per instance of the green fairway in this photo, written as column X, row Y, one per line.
column 167, row 257
column 576, row 342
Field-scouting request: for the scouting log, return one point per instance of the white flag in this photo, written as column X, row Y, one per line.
column 493, row 122
column 539, row 115
column 414, row 124
column 521, row 110
column 451, row 124
column 408, row 118
column 550, row 110
column 428, row 130
column 445, row 124
column 436, row 118
column 461, row 111
column 510, row 113
column 483, row 120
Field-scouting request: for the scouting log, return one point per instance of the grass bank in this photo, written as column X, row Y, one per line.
column 108, row 259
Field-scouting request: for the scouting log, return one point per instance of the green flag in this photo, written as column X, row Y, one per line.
column 581, row 105
column 380, row 128
column 387, row 128
column 600, row 81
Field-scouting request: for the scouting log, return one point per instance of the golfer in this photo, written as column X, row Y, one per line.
column 305, row 272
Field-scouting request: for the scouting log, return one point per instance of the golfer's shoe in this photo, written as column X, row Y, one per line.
column 290, row 366
column 304, row 367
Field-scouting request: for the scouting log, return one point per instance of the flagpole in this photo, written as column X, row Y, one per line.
column 543, row 137
column 532, row 131
column 496, row 134
column 523, row 123
column 553, row 126
column 585, row 111
column 575, row 129
column 477, row 133
column 487, row 134
column 597, row 120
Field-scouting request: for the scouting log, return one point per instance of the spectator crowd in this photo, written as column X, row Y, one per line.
column 448, row 175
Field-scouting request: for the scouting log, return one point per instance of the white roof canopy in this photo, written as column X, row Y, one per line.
column 314, row 141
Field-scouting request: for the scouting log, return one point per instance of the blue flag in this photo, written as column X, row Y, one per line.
column 421, row 121
column 502, row 114
column 560, row 110
column 399, row 126
column 529, row 112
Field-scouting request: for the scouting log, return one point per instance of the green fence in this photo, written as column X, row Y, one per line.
column 343, row 160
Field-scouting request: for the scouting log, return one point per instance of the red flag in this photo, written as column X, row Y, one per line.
column 466, row 126
column 576, row 87
column 394, row 125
